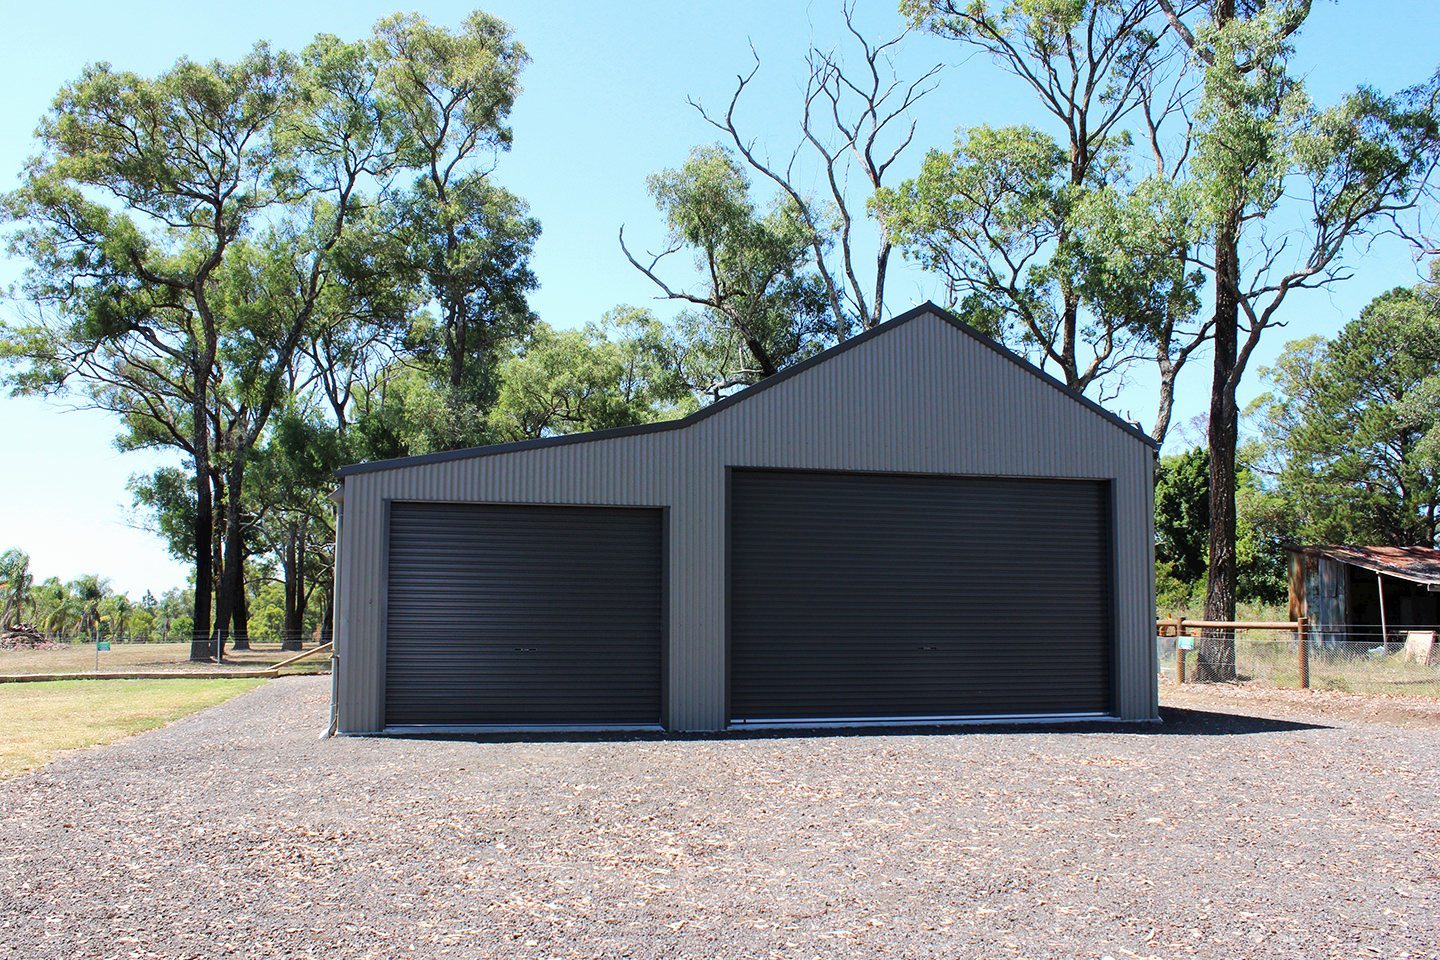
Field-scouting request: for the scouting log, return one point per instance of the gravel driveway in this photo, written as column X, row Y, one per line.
column 237, row 832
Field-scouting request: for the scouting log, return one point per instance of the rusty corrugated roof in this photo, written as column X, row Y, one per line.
column 1417, row 564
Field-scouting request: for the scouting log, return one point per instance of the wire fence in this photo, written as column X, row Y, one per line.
column 1357, row 660
column 69, row 638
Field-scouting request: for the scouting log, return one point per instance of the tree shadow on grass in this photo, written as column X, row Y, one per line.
column 1175, row 721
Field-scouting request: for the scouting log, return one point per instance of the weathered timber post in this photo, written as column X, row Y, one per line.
column 1303, row 651
column 1179, row 650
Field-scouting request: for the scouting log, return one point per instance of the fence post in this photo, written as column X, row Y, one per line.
column 1179, row 650
column 1303, row 643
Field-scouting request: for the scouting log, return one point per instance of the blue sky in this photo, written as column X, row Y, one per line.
column 603, row 106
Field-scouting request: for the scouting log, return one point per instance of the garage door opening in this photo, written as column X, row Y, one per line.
column 521, row 616
column 877, row 597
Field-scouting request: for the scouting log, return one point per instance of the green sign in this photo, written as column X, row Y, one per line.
column 1185, row 643
column 102, row 644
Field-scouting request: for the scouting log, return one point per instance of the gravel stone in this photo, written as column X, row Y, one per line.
column 239, row 832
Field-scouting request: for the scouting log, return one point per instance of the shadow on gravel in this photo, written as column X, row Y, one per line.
column 1175, row 722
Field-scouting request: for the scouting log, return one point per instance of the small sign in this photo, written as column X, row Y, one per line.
column 1184, row 643
column 102, row 645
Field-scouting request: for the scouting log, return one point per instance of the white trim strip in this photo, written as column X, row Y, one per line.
column 768, row 724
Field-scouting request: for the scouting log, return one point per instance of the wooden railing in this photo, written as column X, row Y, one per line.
column 323, row 648
column 1178, row 625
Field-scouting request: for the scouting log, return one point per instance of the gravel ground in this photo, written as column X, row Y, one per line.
column 238, row 832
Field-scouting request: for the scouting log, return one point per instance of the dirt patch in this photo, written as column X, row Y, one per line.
column 1321, row 705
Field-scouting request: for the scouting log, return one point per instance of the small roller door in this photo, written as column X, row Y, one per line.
column 862, row 596
column 521, row 615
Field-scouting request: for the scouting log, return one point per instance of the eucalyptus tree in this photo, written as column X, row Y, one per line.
column 755, row 266
column 856, row 119
column 617, row 373
column 1071, row 243
column 1286, row 189
column 126, row 217
column 293, row 526
column 339, row 147
column 467, row 241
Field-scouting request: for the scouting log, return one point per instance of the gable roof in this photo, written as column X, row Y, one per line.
column 741, row 396
column 1416, row 564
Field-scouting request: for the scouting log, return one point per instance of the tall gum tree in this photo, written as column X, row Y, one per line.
column 1069, row 242
column 1287, row 188
column 856, row 121
column 466, row 240
column 756, row 276
column 126, row 217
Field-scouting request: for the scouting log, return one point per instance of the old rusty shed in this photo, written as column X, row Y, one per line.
column 1366, row 595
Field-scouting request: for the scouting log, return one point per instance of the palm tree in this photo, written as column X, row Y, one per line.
column 120, row 609
column 16, row 581
column 90, row 590
column 55, row 608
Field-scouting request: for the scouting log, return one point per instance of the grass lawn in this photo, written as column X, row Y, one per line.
column 80, row 658
column 38, row 720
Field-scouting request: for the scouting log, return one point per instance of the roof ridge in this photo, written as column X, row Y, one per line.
column 927, row 308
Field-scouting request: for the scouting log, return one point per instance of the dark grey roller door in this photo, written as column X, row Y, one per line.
column 523, row 615
column 875, row 596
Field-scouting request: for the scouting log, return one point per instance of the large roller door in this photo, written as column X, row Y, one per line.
column 523, row 615
column 865, row 596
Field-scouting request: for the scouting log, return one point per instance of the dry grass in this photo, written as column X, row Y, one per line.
column 1273, row 661
column 80, row 658
column 1277, row 665
column 38, row 720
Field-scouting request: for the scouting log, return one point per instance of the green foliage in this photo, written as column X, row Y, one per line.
column 1260, row 139
column 168, row 496
column 1347, row 431
column 1182, row 514
column 237, row 258
column 1047, row 238
column 470, row 246
column 16, row 581
column 1032, row 253
column 613, row 374
column 466, row 242
column 1182, row 529
column 754, row 265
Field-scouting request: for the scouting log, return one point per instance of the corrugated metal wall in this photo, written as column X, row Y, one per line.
column 922, row 397
column 1327, row 598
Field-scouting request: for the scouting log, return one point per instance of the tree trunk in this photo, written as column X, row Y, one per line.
column 234, row 546
column 1215, row 660
column 882, row 268
column 200, row 645
column 327, row 621
column 241, row 640
column 295, row 588
column 1165, row 402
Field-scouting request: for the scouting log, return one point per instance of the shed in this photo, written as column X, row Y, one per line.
column 913, row 526
column 1365, row 595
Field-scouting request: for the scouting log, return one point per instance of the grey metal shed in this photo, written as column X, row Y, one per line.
column 916, row 525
